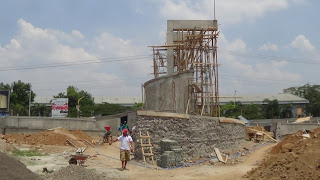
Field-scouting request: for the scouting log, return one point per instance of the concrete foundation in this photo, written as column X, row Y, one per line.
column 196, row 135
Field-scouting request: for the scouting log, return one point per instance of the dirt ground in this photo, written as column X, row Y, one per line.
column 111, row 167
column 107, row 164
column 295, row 157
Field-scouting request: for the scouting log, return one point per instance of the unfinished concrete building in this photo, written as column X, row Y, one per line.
column 186, row 70
column 182, row 101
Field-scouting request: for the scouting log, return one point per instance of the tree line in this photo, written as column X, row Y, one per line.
column 272, row 108
column 21, row 92
column 20, row 95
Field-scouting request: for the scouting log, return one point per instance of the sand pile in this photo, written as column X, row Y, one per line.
column 74, row 172
column 295, row 157
column 12, row 169
column 56, row 136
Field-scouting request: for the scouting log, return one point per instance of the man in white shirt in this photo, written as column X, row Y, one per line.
column 125, row 147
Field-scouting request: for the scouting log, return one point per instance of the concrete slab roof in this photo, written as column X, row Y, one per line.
column 258, row 99
column 123, row 100
column 245, row 99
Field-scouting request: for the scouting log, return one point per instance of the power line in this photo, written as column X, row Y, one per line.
column 105, row 60
column 278, row 58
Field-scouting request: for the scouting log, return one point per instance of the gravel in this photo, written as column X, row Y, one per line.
column 12, row 169
column 75, row 172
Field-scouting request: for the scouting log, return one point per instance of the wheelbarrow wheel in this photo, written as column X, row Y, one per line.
column 73, row 161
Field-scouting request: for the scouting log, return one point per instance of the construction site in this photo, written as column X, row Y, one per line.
column 179, row 132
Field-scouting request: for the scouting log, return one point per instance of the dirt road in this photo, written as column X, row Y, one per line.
column 111, row 167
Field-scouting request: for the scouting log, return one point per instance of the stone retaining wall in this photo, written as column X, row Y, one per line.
column 197, row 135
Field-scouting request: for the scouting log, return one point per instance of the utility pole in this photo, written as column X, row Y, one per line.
column 29, row 99
column 235, row 97
column 78, row 107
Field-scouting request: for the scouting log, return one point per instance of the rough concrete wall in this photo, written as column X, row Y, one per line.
column 160, row 93
column 95, row 127
column 284, row 129
column 114, row 123
column 197, row 136
column 48, row 122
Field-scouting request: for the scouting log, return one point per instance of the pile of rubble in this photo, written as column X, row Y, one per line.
column 75, row 172
column 296, row 157
column 11, row 169
column 56, row 137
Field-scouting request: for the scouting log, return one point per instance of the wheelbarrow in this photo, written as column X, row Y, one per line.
column 78, row 159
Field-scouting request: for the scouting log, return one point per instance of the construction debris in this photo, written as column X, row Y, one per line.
column 304, row 119
column 220, row 158
column 293, row 158
column 73, row 172
column 258, row 133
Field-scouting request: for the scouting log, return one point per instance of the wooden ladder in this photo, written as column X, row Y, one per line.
column 148, row 145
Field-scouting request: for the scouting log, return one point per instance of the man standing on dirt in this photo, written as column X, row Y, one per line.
column 125, row 148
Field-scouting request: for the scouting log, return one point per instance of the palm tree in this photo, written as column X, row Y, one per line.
column 286, row 111
column 272, row 109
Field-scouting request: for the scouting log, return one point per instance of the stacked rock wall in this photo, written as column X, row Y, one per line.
column 196, row 135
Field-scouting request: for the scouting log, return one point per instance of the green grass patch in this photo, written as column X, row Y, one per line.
column 27, row 153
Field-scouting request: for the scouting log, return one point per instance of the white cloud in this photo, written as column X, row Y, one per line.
column 302, row 43
column 227, row 12
column 269, row 47
column 139, row 11
column 242, row 70
column 34, row 46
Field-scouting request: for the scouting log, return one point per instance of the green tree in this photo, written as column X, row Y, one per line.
column 73, row 95
column 286, row 111
column 5, row 86
column 137, row 106
column 231, row 110
column 272, row 108
column 310, row 92
column 106, row 109
column 19, row 97
column 40, row 110
column 252, row 111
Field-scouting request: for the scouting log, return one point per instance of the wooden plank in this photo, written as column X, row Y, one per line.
column 219, row 155
column 264, row 133
column 187, row 109
column 150, row 148
column 72, row 143
column 146, row 145
column 196, row 87
column 144, row 137
column 225, row 161
column 87, row 142
column 148, row 154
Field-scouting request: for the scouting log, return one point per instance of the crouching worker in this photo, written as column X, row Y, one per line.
column 125, row 148
column 107, row 138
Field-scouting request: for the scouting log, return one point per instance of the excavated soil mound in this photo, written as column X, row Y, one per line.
column 295, row 157
column 57, row 137
column 74, row 172
column 12, row 169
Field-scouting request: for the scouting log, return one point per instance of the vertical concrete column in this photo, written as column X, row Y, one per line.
column 170, row 61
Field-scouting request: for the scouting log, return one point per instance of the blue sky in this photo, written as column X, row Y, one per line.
column 264, row 45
